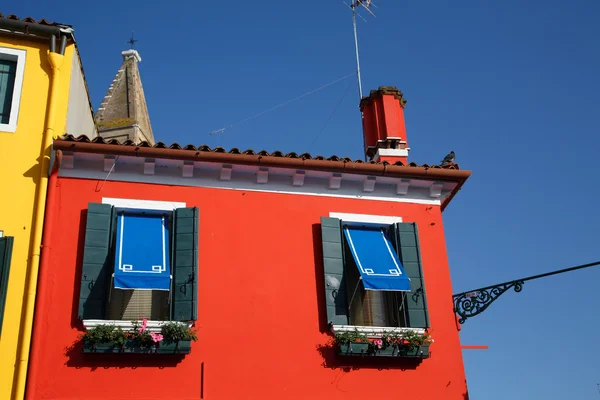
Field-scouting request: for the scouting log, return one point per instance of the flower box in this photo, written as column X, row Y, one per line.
column 364, row 349
column 174, row 338
column 132, row 346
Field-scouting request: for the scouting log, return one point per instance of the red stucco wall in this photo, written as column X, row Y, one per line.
column 261, row 315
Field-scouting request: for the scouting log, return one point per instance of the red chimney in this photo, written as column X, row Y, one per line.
column 383, row 125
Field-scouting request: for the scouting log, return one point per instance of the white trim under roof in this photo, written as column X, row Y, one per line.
column 11, row 54
column 143, row 204
column 285, row 181
column 152, row 326
column 374, row 332
column 366, row 218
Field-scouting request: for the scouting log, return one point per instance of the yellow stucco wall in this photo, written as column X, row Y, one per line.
column 19, row 156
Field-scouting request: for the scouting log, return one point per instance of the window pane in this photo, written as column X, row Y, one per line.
column 133, row 305
column 7, row 83
column 377, row 307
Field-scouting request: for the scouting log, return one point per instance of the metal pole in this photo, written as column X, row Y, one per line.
column 560, row 271
column 354, row 5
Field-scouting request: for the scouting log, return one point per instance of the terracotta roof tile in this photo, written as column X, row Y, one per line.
column 277, row 153
column 31, row 20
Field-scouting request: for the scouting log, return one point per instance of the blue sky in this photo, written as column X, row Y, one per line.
column 511, row 86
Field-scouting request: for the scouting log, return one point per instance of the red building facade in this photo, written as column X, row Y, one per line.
column 261, row 292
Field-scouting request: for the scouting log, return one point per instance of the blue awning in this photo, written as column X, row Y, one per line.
column 142, row 256
column 376, row 259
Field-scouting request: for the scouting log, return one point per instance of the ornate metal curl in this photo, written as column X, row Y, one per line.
column 470, row 304
column 474, row 302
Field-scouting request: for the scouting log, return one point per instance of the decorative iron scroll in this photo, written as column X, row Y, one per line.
column 470, row 304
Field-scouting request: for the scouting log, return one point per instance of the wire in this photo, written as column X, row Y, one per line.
column 330, row 116
column 281, row 104
column 109, row 172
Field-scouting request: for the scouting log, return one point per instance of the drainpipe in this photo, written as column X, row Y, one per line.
column 55, row 60
column 42, row 287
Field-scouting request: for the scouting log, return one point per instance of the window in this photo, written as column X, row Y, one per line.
column 142, row 273
column 139, row 263
column 373, row 274
column 6, row 245
column 12, row 66
column 369, row 307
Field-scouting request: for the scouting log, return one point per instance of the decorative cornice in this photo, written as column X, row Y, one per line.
column 276, row 179
column 398, row 181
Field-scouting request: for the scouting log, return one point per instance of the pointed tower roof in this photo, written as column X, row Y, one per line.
column 123, row 113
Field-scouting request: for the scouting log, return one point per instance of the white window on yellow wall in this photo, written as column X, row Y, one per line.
column 12, row 66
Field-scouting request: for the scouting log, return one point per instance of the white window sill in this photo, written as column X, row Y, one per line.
column 373, row 332
column 152, row 326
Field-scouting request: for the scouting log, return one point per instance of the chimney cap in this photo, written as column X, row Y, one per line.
column 383, row 90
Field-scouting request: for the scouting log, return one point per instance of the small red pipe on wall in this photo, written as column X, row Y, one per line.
column 37, row 339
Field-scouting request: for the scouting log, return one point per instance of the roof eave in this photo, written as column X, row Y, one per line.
column 34, row 29
column 372, row 169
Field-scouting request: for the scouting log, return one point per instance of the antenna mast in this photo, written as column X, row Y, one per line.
column 354, row 4
column 353, row 7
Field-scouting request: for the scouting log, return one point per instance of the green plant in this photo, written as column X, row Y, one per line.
column 350, row 337
column 176, row 331
column 119, row 336
column 99, row 334
column 414, row 339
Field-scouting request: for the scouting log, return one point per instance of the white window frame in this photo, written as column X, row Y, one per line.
column 10, row 54
column 135, row 205
column 153, row 326
column 375, row 220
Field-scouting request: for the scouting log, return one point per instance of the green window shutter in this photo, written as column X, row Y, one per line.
column 7, row 83
column 185, row 264
column 6, row 245
column 333, row 267
column 407, row 246
column 97, row 264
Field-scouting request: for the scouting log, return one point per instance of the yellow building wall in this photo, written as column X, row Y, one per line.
column 19, row 170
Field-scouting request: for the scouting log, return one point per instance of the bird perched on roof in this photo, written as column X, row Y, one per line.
column 449, row 158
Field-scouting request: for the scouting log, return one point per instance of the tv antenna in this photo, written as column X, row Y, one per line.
column 356, row 5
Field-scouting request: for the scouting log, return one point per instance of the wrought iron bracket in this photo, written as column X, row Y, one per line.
column 474, row 302
column 470, row 304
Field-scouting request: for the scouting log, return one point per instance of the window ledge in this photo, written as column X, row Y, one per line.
column 373, row 331
column 153, row 326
